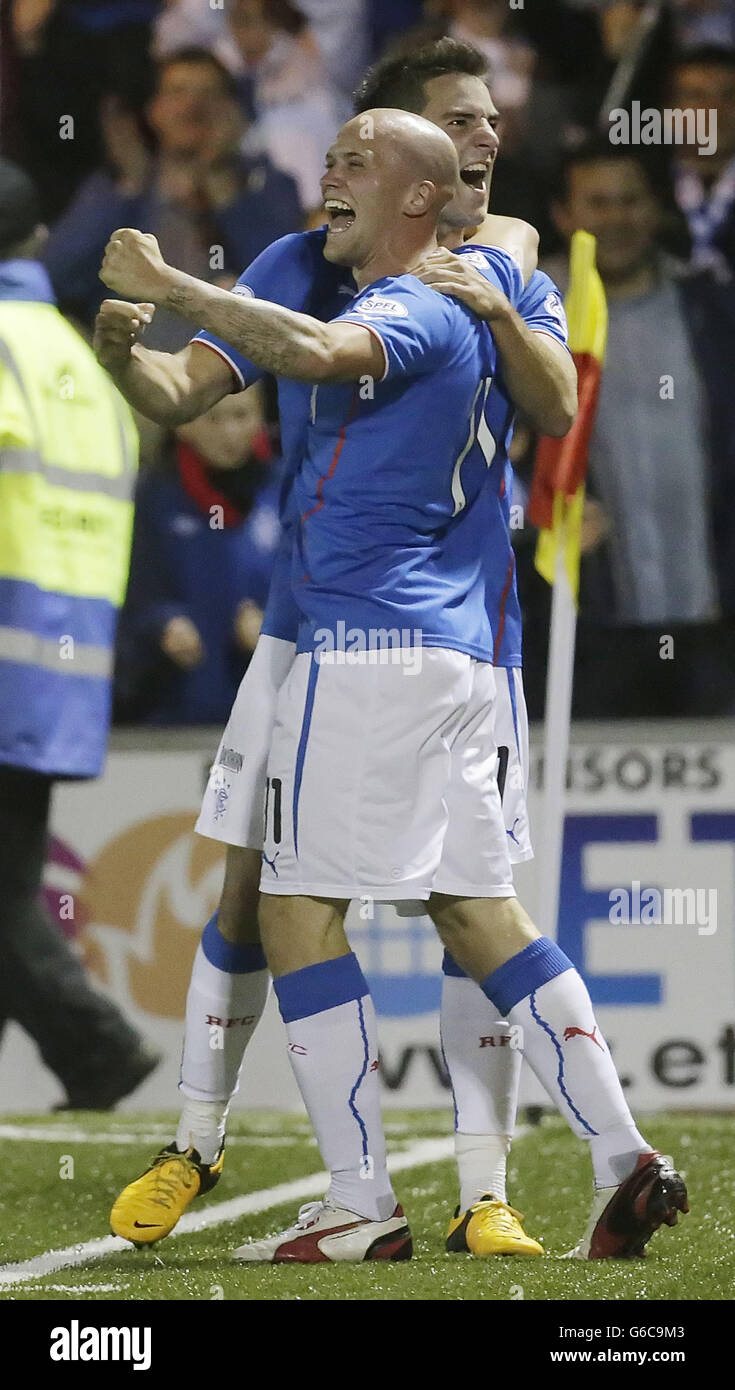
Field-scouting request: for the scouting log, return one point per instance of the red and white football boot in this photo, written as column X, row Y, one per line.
column 624, row 1218
column 327, row 1234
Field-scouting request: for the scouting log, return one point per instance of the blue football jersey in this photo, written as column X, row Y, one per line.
column 540, row 306
column 294, row 273
column 391, row 469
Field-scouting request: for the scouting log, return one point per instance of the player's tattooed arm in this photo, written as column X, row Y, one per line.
column 170, row 388
column 278, row 340
column 539, row 372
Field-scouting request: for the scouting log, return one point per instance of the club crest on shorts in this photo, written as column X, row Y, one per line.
column 220, row 785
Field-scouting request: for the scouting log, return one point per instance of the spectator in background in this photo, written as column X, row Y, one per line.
column 607, row 53
column 212, row 209
column 183, row 23
column 705, row 21
column 296, row 108
column 206, row 530
column 704, row 185
column 661, row 534
column 492, row 28
column 390, row 20
column 341, row 30
column 510, row 58
column 534, row 112
column 68, row 457
column 71, row 54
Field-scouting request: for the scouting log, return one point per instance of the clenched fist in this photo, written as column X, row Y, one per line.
column 181, row 642
column 133, row 266
column 117, row 327
column 248, row 622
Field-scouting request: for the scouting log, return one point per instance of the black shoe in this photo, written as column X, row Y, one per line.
column 105, row 1093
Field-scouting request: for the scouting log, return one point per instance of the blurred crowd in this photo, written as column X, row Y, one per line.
column 207, row 124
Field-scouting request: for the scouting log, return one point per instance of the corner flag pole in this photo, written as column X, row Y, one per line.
column 556, row 507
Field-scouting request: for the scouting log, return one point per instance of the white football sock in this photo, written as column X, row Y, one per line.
column 202, row 1127
column 484, row 1069
column 333, row 1049
column 223, row 1008
column 563, row 1043
column 481, row 1165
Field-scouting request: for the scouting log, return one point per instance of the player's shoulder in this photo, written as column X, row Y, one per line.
column 413, row 295
column 542, row 280
column 495, row 264
column 296, row 252
column 539, row 285
column 399, row 298
column 542, row 299
column 416, row 320
column 391, row 297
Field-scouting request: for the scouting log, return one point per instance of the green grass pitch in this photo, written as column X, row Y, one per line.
column 40, row 1210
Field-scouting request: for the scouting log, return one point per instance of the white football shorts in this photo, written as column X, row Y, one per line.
column 511, row 738
column 234, row 800
column 381, row 779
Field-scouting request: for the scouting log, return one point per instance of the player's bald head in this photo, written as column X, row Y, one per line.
column 413, row 147
column 388, row 176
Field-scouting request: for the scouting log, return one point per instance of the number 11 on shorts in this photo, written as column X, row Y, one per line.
column 273, row 784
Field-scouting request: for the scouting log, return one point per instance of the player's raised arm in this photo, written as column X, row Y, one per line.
column 539, row 372
column 278, row 340
column 170, row 388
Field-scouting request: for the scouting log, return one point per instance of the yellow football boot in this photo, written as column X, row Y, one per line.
column 148, row 1209
column 490, row 1227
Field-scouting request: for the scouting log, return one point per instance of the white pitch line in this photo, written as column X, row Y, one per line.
column 425, row 1151
column 85, row 1288
column 56, row 1134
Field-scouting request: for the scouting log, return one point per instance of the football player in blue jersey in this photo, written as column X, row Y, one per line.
column 232, row 984
column 399, row 393
column 378, row 307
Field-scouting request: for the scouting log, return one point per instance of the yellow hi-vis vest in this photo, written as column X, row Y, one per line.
column 68, row 462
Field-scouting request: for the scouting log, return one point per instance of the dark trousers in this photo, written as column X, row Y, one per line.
column 43, row 987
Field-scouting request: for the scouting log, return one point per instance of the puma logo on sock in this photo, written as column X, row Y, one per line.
column 574, row 1032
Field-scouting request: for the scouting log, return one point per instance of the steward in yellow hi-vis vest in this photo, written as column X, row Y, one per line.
column 68, row 453
column 68, row 461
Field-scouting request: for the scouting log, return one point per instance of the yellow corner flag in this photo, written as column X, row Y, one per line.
column 557, row 492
